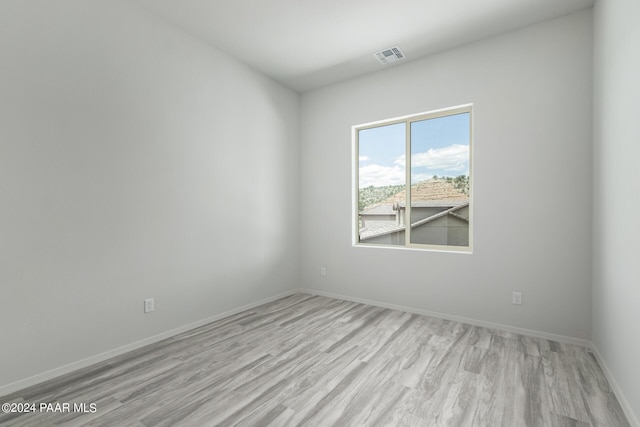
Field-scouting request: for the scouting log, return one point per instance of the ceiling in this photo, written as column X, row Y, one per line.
column 307, row 44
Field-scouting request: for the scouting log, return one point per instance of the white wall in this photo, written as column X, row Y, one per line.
column 135, row 161
column 616, row 267
column 532, row 92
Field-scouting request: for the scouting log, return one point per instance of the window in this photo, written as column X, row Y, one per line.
column 413, row 181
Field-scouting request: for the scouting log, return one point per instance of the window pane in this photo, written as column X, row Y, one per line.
column 381, row 184
column 440, row 180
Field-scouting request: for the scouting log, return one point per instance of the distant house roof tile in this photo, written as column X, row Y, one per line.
column 430, row 190
column 429, row 193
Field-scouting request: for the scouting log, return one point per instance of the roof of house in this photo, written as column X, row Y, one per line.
column 380, row 210
column 431, row 190
column 367, row 233
column 429, row 193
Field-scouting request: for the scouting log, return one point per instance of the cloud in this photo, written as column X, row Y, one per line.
column 378, row 176
column 435, row 161
column 454, row 158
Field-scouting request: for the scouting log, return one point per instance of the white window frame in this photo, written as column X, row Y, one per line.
column 466, row 108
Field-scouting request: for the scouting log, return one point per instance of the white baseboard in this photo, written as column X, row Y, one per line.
column 626, row 406
column 491, row 325
column 71, row 367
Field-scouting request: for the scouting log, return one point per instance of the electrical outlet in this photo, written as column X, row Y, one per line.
column 149, row 305
column 516, row 298
column 323, row 271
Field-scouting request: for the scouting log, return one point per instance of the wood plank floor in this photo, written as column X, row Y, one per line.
column 313, row 361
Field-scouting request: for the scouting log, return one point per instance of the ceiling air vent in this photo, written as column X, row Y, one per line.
column 387, row 56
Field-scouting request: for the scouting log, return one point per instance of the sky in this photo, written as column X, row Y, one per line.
column 439, row 146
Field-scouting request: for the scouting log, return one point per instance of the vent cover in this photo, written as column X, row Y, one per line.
column 388, row 56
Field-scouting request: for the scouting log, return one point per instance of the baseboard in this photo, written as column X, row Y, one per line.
column 71, row 367
column 626, row 406
column 491, row 325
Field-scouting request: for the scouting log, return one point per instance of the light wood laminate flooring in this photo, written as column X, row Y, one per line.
column 313, row 361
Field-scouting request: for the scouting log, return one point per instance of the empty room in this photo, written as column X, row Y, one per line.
column 331, row 213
